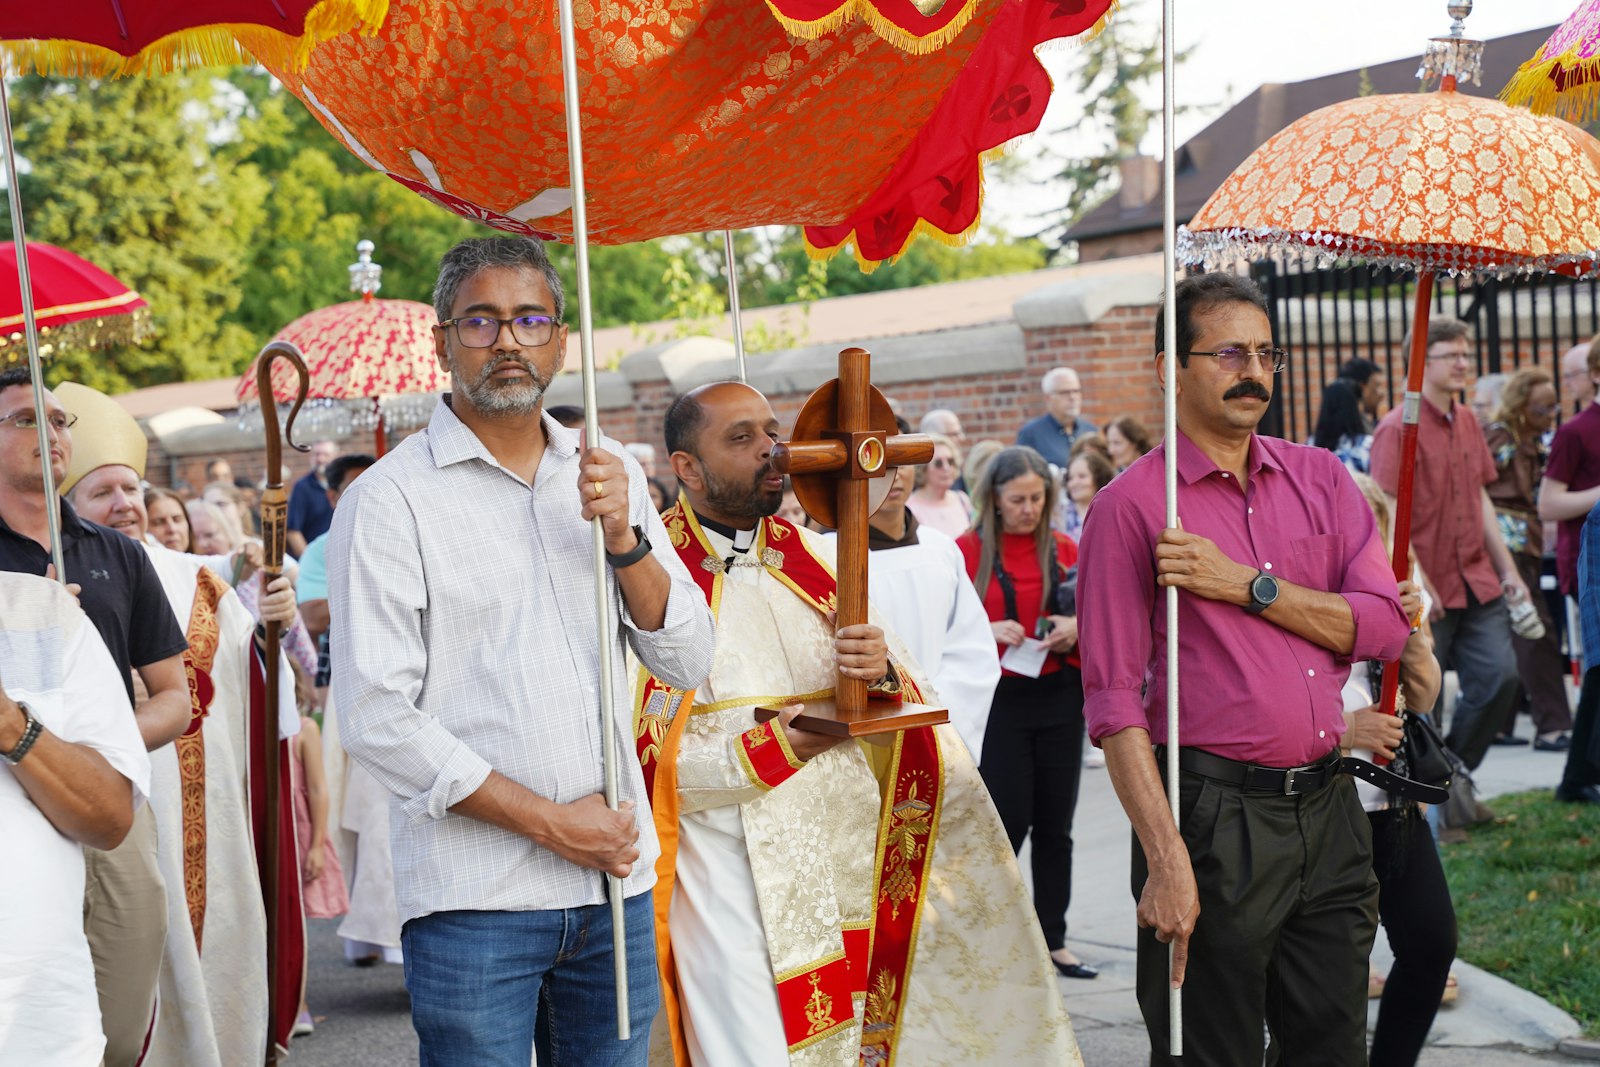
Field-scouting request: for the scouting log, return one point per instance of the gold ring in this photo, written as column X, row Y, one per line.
column 599, row 490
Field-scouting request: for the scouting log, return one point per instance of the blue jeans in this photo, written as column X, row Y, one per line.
column 475, row 978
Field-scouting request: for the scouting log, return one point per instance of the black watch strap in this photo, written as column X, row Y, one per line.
column 629, row 558
column 31, row 729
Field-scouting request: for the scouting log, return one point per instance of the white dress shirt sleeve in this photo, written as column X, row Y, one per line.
column 377, row 596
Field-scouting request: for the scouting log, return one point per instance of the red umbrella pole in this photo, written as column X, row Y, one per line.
column 380, row 440
column 1408, row 464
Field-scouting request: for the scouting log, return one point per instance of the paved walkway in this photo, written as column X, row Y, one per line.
column 1492, row 1024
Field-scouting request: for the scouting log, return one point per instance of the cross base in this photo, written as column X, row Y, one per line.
column 878, row 717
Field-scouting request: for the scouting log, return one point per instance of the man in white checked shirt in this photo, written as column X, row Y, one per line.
column 467, row 670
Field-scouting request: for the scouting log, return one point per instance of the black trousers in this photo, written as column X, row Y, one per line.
column 1288, row 911
column 1583, row 758
column 1032, row 762
column 1414, row 904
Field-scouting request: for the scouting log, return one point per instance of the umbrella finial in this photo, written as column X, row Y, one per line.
column 365, row 275
column 1455, row 56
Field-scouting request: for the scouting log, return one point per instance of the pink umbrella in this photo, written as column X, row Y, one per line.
column 1563, row 77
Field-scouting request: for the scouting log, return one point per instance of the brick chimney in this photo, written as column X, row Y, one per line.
column 1141, row 182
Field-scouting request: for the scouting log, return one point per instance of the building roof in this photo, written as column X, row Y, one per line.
column 1205, row 160
column 837, row 320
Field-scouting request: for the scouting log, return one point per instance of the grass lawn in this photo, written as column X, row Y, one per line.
column 1527, row 896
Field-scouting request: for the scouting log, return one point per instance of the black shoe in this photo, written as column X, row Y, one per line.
column 1584, row 794
column 1074, row 970
column 1508, row 739
column 1555, row 744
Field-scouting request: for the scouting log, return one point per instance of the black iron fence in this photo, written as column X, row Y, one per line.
column 1325, row 316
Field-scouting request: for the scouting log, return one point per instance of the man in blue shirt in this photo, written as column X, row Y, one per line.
column 1053, row 433
column 1580, row 781
column 310, row 514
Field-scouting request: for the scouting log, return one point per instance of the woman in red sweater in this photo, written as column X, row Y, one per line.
column 1033, row 747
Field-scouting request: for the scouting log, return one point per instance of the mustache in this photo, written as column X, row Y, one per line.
column 1248, row 388
column 490, row 368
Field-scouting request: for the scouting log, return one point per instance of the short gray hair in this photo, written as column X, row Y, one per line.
column 1051, row 375
column 477, row 254
column 935, row 420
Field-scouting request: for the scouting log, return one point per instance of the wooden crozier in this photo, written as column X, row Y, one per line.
column 844, row 438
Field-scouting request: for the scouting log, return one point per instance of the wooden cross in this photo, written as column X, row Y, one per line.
column 844, row 439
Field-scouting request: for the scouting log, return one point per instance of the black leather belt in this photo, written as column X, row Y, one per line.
column 1253, row 778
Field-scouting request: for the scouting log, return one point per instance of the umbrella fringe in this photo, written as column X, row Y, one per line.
column 102, row 331
column 881, row 24
column 1535, row 86
column 210, row 46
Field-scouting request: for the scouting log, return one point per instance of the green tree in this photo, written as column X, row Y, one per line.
column 121, row 173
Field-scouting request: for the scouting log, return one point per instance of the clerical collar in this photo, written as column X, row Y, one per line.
column 742, row 539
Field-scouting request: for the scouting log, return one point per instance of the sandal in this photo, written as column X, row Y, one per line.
column 1374, row 985
column 1452, row 990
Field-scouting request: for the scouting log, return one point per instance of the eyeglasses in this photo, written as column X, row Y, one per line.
column 24, row 420
column 1235, row 359
column 1067, row 392
column 941, row 463
column 481, row 331
column 1544, row 409
column 1453, row 357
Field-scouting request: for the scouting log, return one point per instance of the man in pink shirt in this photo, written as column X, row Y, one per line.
column 1267, row 892
column 1465, row 565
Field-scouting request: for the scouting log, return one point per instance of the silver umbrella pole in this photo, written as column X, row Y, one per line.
column 591, row 422
column 31, row 328
column 1169, row 345
column 733, row 304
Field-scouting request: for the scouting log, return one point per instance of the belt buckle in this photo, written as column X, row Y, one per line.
column 1288, row 782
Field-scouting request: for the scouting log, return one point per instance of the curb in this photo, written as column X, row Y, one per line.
column 1579, row 1048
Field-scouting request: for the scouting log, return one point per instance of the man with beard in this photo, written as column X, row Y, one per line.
column 1267, row 892
column 820, row 901
column 467, row 667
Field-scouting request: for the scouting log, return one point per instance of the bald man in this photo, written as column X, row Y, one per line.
column 793, row 898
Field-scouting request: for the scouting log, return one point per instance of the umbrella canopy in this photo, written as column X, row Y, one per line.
column 706, row 117
column 75, row 302
column 1563, row 77
column 90, row 38
column 1422, row 181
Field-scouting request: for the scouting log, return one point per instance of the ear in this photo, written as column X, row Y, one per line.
column 686, row 469
column 439, row 353
column 1161, row 372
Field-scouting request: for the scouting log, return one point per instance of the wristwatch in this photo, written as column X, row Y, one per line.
column 634, row 555
column 1263, row 593
column 31, row 728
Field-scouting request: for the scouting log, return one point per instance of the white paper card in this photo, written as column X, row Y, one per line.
column 1027, row 658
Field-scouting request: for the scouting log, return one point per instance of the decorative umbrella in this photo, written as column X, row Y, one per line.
column 706, row 117
column 1563, row 77
column 83, row 306
column 1426, row 182
column 372, row 362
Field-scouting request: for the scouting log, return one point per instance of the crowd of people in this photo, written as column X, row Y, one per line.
column 441, row 714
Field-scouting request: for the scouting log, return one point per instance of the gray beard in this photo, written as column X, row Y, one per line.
column 508, row 399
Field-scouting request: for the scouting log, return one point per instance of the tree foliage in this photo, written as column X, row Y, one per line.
column 230, row 208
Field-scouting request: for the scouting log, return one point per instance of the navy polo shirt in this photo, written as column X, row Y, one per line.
column 310, row 514
column 121, row 592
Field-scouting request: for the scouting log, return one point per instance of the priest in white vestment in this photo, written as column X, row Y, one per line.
column 213, row 985
column 802, row 917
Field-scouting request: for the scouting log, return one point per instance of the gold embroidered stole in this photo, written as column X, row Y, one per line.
column 203, row 634
column 875, row 962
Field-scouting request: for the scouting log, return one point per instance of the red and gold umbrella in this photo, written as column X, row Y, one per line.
column 1427, row 182
column 1563, row 77
column 363, row 356
column 707, row 116
column 98, row 38
column 76, row 303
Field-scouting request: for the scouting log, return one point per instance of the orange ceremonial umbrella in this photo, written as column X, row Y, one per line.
column 1430, row 182
column 1563, row 77
column 707, row 116
column 371, row 362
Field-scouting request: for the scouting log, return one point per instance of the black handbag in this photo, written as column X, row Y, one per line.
column 1421, row 770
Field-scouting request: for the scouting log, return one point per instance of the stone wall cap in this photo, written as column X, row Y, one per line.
column 1088, row 295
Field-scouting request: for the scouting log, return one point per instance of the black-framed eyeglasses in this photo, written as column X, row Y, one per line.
column 24, row 420
column 481, row 331
column 1234, row 359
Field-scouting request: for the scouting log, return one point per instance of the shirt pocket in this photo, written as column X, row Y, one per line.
column 1317, row 562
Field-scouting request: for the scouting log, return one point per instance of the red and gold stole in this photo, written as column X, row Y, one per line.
column 815, row 1001
column 203, row 633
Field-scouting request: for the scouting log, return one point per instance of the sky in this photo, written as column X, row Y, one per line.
column 1239, row 45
